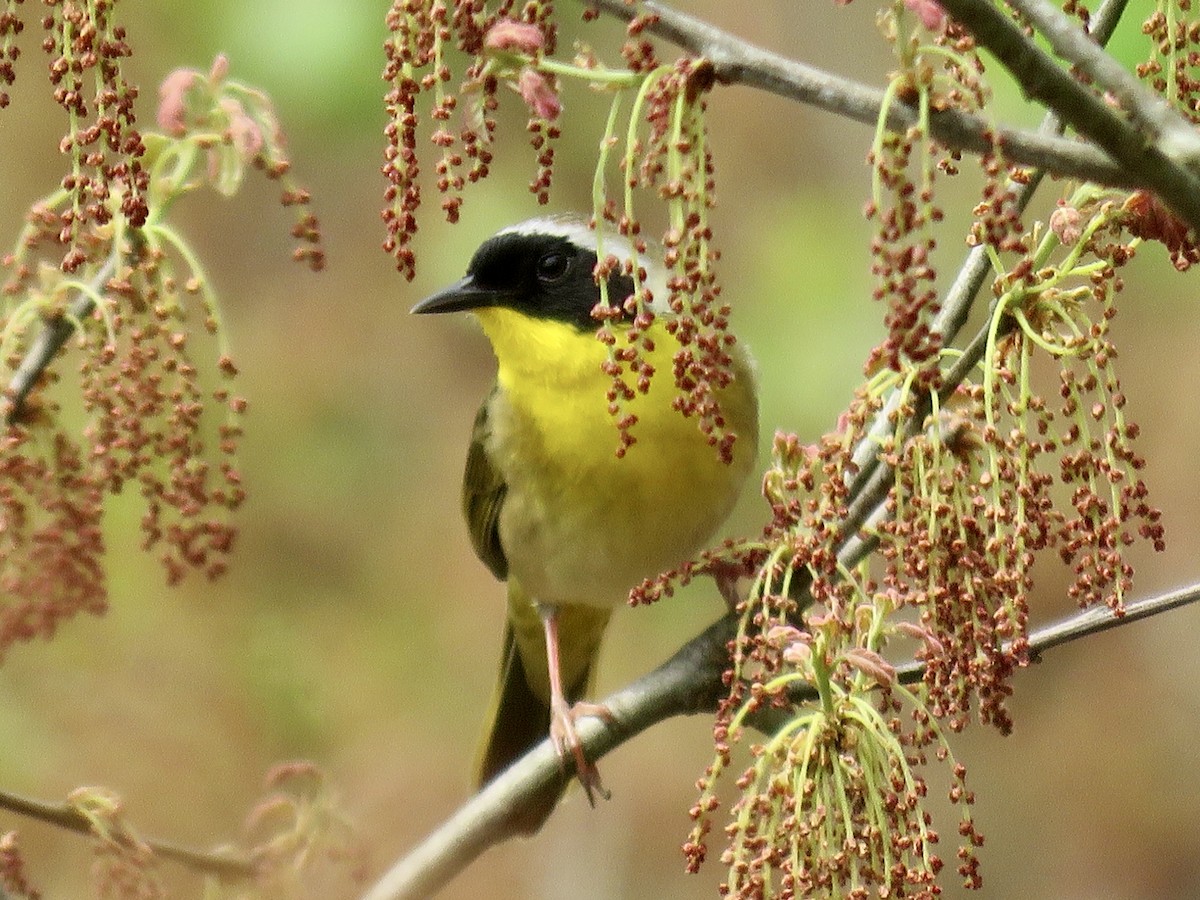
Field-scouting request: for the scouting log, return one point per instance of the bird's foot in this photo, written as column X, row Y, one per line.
column 566, row 740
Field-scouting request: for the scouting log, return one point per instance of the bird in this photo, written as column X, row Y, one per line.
column 551, row 508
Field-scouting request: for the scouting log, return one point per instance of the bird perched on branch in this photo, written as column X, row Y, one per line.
column 571, row 525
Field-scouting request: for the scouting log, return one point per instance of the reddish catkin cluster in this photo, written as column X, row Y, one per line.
column 1175, row 48
column 85, row 49
column 141, row 322
column 960, row 547
column 675, row 162
column 151, row 429
column 197, row 103
column 52, row 545
column 901, row 254
column 501, row 46
column 11, row 25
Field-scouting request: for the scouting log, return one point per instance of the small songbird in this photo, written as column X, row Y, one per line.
column 550, row 506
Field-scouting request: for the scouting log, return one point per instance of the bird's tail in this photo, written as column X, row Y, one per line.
column 521, row 704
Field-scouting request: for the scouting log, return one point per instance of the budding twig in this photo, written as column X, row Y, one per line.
column 65, row 815
column 738, row 62
column 1080, row 107
column 1150, row 113
column 49, row 341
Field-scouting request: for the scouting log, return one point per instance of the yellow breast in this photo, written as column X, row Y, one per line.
column 579, row 525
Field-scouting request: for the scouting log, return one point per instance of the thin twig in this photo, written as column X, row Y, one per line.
column 54, row 333
column 689, row 682
column 64, row 815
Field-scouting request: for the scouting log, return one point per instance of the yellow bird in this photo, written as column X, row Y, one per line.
column 549, row 505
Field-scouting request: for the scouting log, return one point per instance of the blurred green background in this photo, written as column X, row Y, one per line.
column 356, row 627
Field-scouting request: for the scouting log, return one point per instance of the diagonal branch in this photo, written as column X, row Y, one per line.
column 1079, row 106
column 1136, row 163
column 1150, row 113
column 65, row 815
column 688, row 683
column 739, row 62
column 54, row 333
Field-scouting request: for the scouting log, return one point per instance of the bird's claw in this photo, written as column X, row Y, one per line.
column 566, row 740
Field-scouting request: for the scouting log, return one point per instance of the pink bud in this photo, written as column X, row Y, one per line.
column 930, row 12
column 781, row 635
column 872, row 665
column 797, row 654
column 932, row 645
column 539, row 94
column 244, row 133
column 1064, row 222
column 519, row 37
column 171, row 108
column 220, row 68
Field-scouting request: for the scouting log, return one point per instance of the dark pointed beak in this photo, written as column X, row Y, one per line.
column 464, row 294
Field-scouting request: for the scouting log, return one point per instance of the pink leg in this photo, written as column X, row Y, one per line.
column 563, row 715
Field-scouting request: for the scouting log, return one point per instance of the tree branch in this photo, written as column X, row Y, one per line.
column 54, row 333
column 737, row 61
column 1079, row 106
column 1150, row 113
column 65, row 815
column 688, row 683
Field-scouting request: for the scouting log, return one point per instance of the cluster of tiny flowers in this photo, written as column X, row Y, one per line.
column 673, row 160
column 1175, row 47
column 626, row 341
column 137, row 316
column 975, row 494
column 959, row 546
column 151, row 423
column 124, row 867
column 503, row 47
column 299, row 836
column 1147, row 217
column 237, row 129
column 106, row 177
column 939, row 69
column 901, row 255
column 52, row 544
column 11, row 25
column 833, row 803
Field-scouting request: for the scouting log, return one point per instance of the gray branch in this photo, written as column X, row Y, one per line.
column 1150, row 113
column 737, row 61
column 55, row 332
column 684, row 685
column 1079, row 106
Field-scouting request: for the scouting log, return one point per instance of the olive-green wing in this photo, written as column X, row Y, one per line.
column 483, row 495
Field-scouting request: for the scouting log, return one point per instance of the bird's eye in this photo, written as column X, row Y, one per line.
column 552, row 266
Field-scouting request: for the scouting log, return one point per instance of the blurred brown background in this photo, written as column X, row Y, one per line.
column 358, row 630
